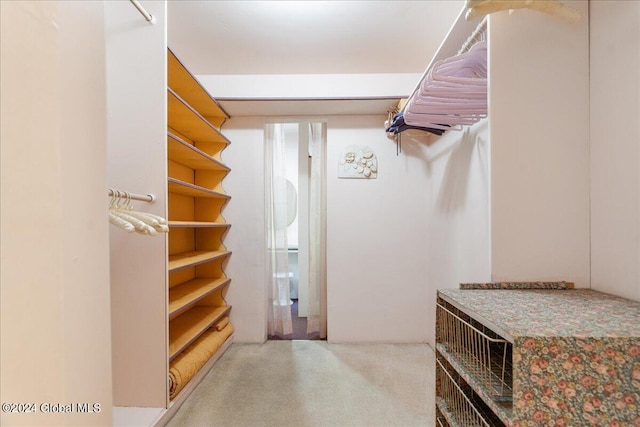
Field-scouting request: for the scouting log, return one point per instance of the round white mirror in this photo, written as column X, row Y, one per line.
column 289, row 195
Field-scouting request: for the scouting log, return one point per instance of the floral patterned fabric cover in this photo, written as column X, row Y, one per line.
column 576, row 353
column 518, row 285
column 565, row 381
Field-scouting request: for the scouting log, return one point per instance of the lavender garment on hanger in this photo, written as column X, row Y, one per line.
column 452, row 94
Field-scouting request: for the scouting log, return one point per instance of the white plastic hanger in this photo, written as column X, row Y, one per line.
column 121, row 214
column 117, row 220
column 475, row 60
column 479, row 8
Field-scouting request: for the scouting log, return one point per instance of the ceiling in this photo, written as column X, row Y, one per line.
column 248, row 38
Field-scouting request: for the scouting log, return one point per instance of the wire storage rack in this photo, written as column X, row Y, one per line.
column 459, row 402
column 441, row 421
column 484, row 354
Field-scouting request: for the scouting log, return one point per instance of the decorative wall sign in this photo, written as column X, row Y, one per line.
column 358, row 161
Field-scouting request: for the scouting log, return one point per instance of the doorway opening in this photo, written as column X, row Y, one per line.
column 295, row 182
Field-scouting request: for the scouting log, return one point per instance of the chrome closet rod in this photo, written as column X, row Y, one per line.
column 147, row 16
column 150, row 198
column 477, row 35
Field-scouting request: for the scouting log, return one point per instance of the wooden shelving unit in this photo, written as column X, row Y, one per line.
column 193, row 224
column 186, row 328
column 196, row 198
column 182, row 152
column 193, row 258
column 182, row 82
column 184, row 296
column 187, row 189
column 189, row 123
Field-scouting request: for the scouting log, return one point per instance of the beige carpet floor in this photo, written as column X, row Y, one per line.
column 313, row 383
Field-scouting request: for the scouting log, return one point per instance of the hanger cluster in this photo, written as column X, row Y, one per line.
column 121, row 214
column 453, row 93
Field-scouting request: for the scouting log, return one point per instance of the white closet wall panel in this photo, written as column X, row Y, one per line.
column 539, row 132
column 137, row 123
column 55, row 313
column 24, row 288
column 246, row 267
column 86, row 308
column 615, row 147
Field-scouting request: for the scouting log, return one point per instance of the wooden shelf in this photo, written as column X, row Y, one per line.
column 193, row 258
column 192, row 190
column 197, row 224
column 184, row 296
column 188, row 122
column 195, row 170
column 189, row 88
column 184, row 153
column 186, row 328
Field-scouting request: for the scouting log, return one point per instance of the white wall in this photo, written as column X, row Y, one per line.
column 375, row 236
column 458, row 237
column 539, row 115
column 375, row 240
column 55, row 314
column 615, row 147
column 137, row 122
column 246, row 238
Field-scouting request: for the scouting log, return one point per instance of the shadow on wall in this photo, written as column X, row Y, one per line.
column 460, row 147
column 417, row 144
column 453, row 193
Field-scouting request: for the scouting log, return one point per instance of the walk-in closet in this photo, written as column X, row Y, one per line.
column 301, row 213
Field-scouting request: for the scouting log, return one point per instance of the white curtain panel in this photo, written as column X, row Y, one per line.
column 279, row 308
column 317, row 319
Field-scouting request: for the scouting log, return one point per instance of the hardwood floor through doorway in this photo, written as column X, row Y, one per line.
column 299, row 327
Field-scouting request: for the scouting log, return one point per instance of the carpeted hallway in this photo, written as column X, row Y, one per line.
column 314, row 383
